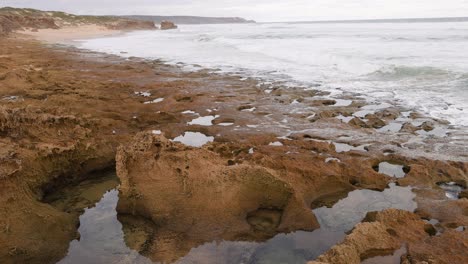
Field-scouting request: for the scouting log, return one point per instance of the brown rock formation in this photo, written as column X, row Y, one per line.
column 30, row 169
column 380, row 235
column 127, row 24
column 409, row 128
column 384, row 232
column 166, row 25
column 464, row 194
column 357, row 122
column 447, row 248
column 374, row 121
column 194, row 193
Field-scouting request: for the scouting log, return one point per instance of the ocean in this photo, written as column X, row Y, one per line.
column 421, row 66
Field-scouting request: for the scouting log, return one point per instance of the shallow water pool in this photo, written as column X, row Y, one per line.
column 102, row 239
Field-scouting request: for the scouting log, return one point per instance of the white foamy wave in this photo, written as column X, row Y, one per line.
column 404, row 72
column 422, row 65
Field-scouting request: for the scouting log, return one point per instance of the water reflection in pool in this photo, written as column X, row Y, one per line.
column 102, row 239
column 300, row 247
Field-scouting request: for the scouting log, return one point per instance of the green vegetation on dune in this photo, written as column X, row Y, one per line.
column 25, row 18
column 66, row 17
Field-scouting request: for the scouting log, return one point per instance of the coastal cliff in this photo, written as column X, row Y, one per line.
column 12, row 19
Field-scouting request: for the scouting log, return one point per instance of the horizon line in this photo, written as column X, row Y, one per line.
column 401, row 20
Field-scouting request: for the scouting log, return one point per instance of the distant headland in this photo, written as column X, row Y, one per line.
column 192, row 19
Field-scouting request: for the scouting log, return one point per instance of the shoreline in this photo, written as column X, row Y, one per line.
column 102, row 102
column 428, row 126
column 383, row 90
column 71, row 34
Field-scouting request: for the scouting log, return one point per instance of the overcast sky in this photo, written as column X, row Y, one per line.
column 260, row 10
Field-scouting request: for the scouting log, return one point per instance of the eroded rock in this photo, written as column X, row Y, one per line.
column 357, row 122
column 427, row 126
column 381, row 233
column 194, row 193
column 409, row 128
column 450, row 247
column 374, row 121
column 167, row 25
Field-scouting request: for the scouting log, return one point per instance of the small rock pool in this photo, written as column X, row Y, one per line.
column 101, row 236
column 103, row 241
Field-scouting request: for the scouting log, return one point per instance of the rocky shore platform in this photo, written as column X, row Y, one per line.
column 204, row 157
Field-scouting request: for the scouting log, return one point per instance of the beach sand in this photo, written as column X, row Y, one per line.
column 65, row 35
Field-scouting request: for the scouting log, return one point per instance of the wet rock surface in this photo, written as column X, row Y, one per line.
column 382, row 233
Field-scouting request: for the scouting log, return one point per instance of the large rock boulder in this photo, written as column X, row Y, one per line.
column 196, row 194
column 128, row 24
column 166, row 25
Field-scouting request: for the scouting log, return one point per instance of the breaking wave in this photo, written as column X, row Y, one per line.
column 383, row 61
column 406, row 72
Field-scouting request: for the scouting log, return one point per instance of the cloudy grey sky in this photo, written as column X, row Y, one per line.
column 260, row 10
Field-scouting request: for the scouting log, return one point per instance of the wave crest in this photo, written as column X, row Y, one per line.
column 404, row 72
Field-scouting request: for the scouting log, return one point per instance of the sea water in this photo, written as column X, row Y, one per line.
column 422, row 66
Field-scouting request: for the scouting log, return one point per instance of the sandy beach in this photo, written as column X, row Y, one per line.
column 66, row 35
column 195, row 160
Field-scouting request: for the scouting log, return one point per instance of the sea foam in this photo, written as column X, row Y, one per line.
column 418, row 65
